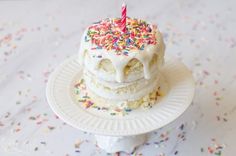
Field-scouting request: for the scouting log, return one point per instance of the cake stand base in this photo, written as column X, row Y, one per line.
column 112, row 144
column 116, row 133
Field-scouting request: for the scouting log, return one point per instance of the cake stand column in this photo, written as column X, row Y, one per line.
column 112, row 144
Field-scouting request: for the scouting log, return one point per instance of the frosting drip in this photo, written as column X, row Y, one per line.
column 92, row 58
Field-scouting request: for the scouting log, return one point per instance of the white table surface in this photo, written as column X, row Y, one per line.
column 36, row 36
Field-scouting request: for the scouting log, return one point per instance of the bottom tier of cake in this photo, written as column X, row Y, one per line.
column 145, row 101
column 123, row 95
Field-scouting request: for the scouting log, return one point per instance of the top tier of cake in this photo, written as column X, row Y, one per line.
column 116, row 56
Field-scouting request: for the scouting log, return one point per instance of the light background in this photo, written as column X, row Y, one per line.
column 36, row 36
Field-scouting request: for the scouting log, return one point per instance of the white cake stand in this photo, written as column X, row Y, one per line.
column 120, row 133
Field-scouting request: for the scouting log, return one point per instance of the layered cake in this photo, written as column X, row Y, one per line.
column 122, row 68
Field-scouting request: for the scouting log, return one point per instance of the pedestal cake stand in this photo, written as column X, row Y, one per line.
column 116, row 133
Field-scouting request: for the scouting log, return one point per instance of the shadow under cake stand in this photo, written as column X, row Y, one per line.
column 120, row 133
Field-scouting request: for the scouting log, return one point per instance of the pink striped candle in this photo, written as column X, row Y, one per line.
column 123, row 18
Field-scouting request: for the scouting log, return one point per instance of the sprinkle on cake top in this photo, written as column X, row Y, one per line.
column 107, row 34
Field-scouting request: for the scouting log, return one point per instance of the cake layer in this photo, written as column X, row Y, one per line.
column 110, row 76
column 146, row 101
column 121, row 91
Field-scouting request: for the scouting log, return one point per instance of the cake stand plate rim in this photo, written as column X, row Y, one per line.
column 60, row 111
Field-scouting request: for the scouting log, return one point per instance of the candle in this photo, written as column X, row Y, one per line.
column 123, row 18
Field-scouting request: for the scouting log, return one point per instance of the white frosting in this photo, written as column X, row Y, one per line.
column 89, row 59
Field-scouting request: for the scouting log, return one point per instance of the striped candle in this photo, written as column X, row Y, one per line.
column 123, row 18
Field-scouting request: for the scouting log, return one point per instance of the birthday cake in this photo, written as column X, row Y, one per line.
column 121, row 68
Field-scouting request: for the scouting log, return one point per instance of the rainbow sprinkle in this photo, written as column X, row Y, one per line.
column 107, row 34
